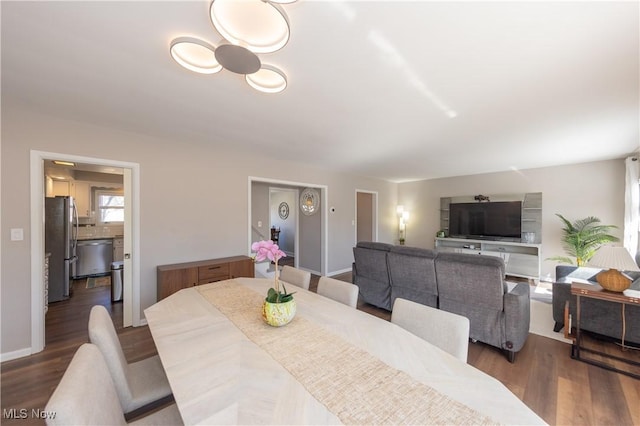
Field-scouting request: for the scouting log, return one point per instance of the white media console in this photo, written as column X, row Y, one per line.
column 520, row 259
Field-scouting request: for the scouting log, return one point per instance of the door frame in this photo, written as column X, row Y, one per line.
column 374, row 214
column 324, row 196
column 131, row 278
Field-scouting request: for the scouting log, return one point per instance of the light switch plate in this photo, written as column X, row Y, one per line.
column 17, row 234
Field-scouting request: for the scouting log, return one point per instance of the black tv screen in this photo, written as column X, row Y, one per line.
column 486, row 220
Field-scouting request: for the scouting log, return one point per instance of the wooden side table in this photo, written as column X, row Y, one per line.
column 597, row 292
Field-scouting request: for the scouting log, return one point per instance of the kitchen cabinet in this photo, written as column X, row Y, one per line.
column 60, row 188
column 81, row 192
column 175, row 277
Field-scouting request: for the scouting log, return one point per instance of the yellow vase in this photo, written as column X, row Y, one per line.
column 278, row 314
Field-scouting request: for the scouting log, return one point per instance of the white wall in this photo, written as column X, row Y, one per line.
column 575, row 191
column 193, row 202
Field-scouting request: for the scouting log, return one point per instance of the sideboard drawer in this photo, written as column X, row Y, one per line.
column 210, row 273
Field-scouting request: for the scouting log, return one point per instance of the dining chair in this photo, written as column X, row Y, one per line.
column 295, row 276
column 137, row 384
column 86, row 395
column 340, row 291
column 446, row 330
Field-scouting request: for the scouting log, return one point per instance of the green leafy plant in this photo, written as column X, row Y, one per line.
column 274, row 296
column 582, row 237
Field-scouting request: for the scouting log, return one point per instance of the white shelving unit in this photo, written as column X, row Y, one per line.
column 520, row 259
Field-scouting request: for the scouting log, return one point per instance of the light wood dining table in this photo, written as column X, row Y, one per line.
column 227, row 367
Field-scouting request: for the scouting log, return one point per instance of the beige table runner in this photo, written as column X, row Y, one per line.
column 353, row 384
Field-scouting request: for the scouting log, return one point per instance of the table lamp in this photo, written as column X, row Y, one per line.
column 614, row 259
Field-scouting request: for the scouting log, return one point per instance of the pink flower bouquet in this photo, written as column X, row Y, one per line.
column 270, row 250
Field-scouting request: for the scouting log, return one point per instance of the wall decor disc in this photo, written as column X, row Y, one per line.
column 309, row 201
column 283, row 210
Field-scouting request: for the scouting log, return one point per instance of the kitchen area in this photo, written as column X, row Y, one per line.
column 84, row 229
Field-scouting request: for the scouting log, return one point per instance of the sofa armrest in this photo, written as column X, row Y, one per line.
column 517, row 311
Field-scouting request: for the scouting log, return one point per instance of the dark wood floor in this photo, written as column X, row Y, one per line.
column 560, row 390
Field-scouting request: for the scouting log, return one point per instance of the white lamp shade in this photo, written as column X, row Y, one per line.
column 613, row 257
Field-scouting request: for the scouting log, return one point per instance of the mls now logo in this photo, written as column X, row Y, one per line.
column 23, row 413
column 15, row 413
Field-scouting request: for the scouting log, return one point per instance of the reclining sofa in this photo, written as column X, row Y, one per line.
column 597, row 316
column 469, row 285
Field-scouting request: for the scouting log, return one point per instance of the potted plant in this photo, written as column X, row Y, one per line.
column 279, row 307
column 582, row 237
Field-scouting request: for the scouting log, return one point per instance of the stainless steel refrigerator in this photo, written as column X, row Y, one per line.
column 61, row 238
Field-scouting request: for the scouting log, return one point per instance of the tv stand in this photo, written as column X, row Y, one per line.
column 520, row 259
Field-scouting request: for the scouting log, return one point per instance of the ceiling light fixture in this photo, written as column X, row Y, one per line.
column 195, row 55
column 268, row 79
column 258, row 25
column 249, row 27
column 64, row 163
column 237, row 59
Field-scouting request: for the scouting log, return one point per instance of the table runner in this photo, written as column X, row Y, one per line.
column 353, row 384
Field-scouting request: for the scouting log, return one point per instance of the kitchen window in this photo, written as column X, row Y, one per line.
column 110, row 207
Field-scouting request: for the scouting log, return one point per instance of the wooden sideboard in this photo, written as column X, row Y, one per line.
column 172, row 278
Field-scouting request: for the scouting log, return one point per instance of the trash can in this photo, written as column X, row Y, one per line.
column 116, row 281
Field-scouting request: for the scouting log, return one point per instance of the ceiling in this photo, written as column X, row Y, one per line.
column 78, row 170
column 389, row 89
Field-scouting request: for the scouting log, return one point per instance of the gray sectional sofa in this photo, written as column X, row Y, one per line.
column 597, row 316
column 465, row 284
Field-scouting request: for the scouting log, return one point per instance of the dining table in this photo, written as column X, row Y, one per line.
column 332, row 364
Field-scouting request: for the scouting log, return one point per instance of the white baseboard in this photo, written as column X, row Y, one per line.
column 341, row 271
column 20, row 353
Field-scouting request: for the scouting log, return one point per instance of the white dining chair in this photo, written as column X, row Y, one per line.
column 86, row 395
column 340, row 291
column 446, row 330
column 295, row 276
column 139, row 383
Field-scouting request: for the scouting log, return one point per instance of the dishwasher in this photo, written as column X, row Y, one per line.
column 94, row 258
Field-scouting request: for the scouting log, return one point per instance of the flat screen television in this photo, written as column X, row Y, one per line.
column 493, row 220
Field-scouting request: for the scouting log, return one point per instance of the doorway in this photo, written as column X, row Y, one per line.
column 131, row 275
column 366, row 216
column 310, row 248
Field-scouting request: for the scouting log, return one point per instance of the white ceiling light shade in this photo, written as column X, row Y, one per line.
column 268, row 79
column 195, row 55
column 258, row 25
